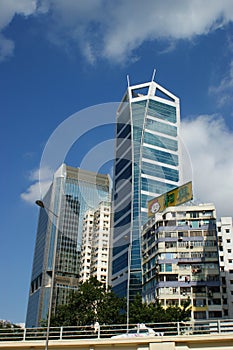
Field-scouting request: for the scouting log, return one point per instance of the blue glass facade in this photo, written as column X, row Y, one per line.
column 146, row 165
column 72, row 193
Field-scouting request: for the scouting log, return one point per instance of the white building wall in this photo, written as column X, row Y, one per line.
column 100, row 243
column 225, row 244
column 85, row 260
column 95, row 244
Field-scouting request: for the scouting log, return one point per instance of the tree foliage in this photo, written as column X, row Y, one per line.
column 8, row 324
column 93, row 303
column 140, row 311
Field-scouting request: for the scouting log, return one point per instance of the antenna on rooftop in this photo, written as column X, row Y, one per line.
column 153, row 75
column 128, row 80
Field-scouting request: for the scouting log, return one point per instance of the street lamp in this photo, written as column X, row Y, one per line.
column 41, row 205
column 128, row 280
column 128, row 285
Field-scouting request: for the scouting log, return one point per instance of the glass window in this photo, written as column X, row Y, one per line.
column 199, row 315
column 161, row 127
column 160, row 141
column 121, row 289
column 122, row 212
column 168, row 267
column 162, row 111
column 123, row 130
column 160, row 156
column 155, row 186
column 195, row 224
column 160, row 171
column 120, row 263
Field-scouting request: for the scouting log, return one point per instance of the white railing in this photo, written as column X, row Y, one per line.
column 107, row 331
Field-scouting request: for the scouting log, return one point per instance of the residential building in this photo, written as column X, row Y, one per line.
column 72, row 192
column 180, row 260
column 85, row 256
column 100, row 242
column 95, row 243
column 225, row 246
column 147, row 163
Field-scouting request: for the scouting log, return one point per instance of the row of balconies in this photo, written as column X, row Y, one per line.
column 197, row 244
column 176, row 270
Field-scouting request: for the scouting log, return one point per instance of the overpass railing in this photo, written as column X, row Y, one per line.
column 107, row 331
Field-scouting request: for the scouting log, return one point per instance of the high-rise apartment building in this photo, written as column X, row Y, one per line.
column 147, row 164
column 72, row 192
column 180, row 260
column 86, row 246
column 95, row 244
column 225, row 246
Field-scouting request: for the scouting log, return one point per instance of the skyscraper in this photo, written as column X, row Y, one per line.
column 147, row 163
column 71, row 194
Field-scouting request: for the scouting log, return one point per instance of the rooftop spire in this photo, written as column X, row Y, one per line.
column 128, row 82
column 153, row 75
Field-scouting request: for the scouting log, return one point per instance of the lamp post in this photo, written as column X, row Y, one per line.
column 128, row 285
column 128, row 280
column 41, row 205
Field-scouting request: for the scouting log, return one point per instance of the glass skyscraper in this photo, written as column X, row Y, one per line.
column 147, row 164
column 71, row 194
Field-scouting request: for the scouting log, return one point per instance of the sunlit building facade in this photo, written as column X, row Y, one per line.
column 180, row 260
column 225, row 246
column 94, row 259
column 147, row 163
column 72, row 192
column 86, row 246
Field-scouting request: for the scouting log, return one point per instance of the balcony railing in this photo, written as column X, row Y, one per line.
column 197, row 327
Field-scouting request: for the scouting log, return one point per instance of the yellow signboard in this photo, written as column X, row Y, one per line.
column 177, row 196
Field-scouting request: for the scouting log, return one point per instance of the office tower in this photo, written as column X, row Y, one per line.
column 72, row 192
column 95, row 244
column 225, row 241
column 180, row 260
column 147, row 163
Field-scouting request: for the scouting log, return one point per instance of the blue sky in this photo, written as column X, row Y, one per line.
column 58, row 57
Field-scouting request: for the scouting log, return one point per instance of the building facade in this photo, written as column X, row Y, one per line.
column 72, row 192
column 94, row 260
column 180, row 260
column 147, row 163
column 225, row 246
column 86, row 247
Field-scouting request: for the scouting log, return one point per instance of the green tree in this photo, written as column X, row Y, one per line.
column 156, row 313
column 140, row 312
column 176, row 313
column 91, row 303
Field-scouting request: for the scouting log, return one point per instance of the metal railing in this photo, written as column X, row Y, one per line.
column 107, row 331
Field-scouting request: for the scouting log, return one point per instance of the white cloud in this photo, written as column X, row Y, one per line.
column 210, row 145
column 8, row 9
column 41, row 174
column 223, row 91
column 115, row 29
column 34, row 191
column 42, row 180
column 6, row 47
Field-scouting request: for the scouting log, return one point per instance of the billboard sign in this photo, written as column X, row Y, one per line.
column 177, row 196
